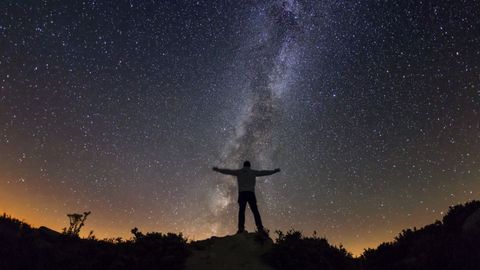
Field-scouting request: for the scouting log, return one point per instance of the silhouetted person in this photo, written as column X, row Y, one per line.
column 246, row 192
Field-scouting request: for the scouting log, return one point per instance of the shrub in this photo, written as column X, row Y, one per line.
column 441, row 245
column 294, row 251
column 24, row 247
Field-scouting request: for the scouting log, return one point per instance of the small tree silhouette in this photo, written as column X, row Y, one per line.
column 76, row 223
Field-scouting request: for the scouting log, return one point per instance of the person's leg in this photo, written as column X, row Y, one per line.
column 242, row 204
column 252, row 201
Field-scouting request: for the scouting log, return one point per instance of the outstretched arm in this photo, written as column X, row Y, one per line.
column 266, row 172
column 225, row 171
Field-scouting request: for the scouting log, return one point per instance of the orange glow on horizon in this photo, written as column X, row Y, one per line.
column 37, row 212
column 58, row 220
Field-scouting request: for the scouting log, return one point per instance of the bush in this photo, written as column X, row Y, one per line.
column 441, row 245
column 294, row 251
column 23, row 247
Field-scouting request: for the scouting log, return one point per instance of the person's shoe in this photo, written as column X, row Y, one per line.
column 240, row 231
column 262, row 232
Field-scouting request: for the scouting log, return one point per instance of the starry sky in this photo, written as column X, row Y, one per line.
column 370, row 108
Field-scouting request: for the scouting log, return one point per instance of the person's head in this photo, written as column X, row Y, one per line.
column 246, row 163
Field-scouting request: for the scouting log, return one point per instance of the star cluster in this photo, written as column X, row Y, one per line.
column 370, row 108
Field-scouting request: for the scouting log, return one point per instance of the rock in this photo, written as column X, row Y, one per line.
column 240, row 251
column 45, row 231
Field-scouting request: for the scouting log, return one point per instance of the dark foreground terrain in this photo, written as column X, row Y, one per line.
column 453, row 243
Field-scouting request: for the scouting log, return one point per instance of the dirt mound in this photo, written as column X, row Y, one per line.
column 240, row 251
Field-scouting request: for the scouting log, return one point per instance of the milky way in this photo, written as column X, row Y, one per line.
column 370, row 108
column 270, row 55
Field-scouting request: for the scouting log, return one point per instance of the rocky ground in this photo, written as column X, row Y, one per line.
column 240, row 251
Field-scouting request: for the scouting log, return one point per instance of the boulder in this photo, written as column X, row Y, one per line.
column 240, row 251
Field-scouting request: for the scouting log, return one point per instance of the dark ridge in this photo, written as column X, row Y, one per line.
column 452, row 243
column 24, row 247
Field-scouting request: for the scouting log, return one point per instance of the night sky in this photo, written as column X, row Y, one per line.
column 370, row 108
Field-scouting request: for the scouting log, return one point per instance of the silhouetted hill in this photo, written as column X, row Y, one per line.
column 24, row 247
column 453, row 243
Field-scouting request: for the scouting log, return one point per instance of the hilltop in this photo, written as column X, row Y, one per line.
column 240, row 251
column 452, row 243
